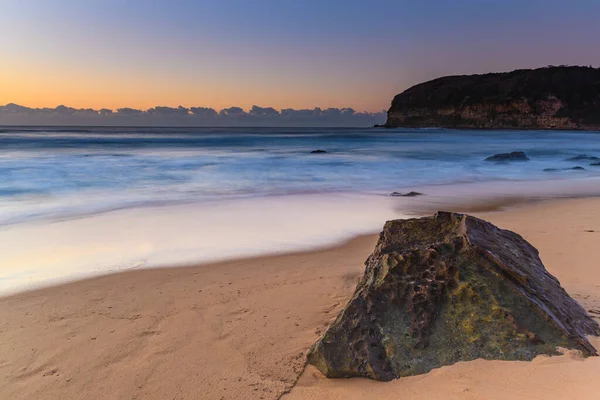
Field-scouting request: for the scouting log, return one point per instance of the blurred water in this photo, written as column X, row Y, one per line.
column 57, row 172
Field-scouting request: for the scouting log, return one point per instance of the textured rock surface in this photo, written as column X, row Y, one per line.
column 449, row 288
column 543, row 98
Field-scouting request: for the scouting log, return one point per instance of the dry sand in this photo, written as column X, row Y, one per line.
column 240, row 329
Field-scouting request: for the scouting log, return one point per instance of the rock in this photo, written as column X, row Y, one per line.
column 449, row 288
column 409, row 194
column 577, row 168
column 595, row 164
column 513, row 156
column 318, row 152
column 583, row 157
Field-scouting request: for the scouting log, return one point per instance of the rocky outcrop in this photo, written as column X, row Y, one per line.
column 449, row 288
column 318, row 152
column 505, row 157
column 544, row 98
column 408, row 194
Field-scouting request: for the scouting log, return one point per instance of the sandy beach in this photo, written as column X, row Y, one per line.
column 240, row 329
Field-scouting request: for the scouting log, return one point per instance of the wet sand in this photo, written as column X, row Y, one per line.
column 240, row 329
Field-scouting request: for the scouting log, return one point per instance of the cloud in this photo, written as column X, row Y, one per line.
column 129, row 111
column 263, row 111
column 14, row 114
column 168, row 111
column 203, row 112
column 234, row 112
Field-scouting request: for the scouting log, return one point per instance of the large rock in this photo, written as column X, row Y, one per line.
column 449, row 288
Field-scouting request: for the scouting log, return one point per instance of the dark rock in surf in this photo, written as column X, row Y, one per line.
column 318, row 152
column 505, row 157
column 577, row 168
column 595, row 164
column 409, row 194
column 583, row 157
column 444, row 289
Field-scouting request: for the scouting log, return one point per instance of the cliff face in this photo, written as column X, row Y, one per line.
column 544, row 98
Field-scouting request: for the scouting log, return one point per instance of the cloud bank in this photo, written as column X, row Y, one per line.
column 14, row 114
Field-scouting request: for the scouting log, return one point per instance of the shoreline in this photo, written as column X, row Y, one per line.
column 240, row 328
column 481, row 208
column 199, row 233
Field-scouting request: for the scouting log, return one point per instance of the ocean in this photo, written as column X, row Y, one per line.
column 78, row 202
column 60, row 172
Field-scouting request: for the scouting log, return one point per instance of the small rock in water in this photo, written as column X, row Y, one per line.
column 595, row 164
column 318, row 152
column 577, row 168
column 583, row 157
column 513, row 156
column 444, row 289
column 409, row 194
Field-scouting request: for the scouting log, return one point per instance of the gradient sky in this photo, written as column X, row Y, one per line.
column 279, row 53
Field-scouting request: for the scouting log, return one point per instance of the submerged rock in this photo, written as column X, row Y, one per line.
column 444, row 289
column 318, row 152
column 583, row 157
column 513, row 156
column 409, row 194
column 577, row 168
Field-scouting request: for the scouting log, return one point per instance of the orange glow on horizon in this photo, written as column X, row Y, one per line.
column 46, row 88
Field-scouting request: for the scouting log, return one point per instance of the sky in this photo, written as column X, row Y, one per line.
column 279, row 53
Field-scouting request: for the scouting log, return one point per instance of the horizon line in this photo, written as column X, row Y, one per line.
column 189, row 109
column 196, row 126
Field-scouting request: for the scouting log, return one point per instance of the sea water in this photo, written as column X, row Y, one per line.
column 82, row 201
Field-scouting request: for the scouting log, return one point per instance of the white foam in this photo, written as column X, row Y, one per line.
column 42, row 253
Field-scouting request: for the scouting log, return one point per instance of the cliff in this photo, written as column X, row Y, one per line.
column 543, row 98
